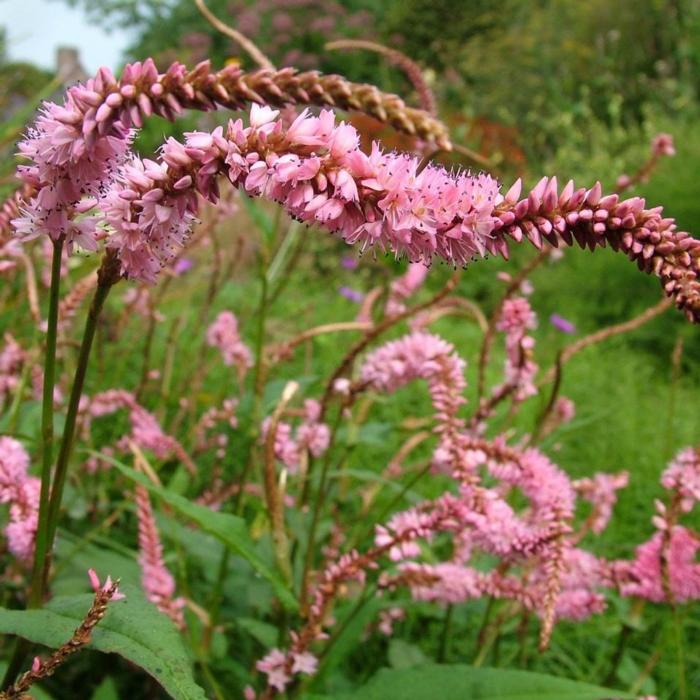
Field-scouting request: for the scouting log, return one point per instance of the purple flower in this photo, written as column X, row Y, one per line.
column 351, row 294
column 182, row 265
column 562, row 324
column 349, row 262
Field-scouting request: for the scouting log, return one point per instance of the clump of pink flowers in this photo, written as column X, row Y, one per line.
column 315, row 169
column 21, row 492
column 312, row 436
column 157, row 581
column 223, row 334
column 146, row 432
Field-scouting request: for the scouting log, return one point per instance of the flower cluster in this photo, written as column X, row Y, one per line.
column 601, row 491
column 21, row 492
column 157, row 581
column 75, row 148
column 12, row 358
column 517, row 317
column 312, row 436
column 403, row 287
column 319, row 174
column 223, row 334
column 146, row 432
column 316, row 170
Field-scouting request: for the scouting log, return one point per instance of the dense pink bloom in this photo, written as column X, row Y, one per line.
column 12, row 358
column 683, row 476
column 70, row 164
column 157, row 581
column 97, row 586
column 662, row 145
column 405, row 286
column 274, row 665
column 223, row 334
column 583, row 578
column 419, row 356
column 146, row 431
column 21, row 492
column 601, row 491
column 644, row 576
column 517, row 317
column 317, row 171
column 285, row 447
column 312, row 435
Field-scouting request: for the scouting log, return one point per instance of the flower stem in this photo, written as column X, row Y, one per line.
column 41, row 544
column 680, row 653
column 318, row 503
column 446, row 635
column 107, row 276
column 36, row 592
column 259, row 377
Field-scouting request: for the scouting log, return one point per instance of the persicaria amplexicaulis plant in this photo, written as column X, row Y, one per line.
column 508, row 525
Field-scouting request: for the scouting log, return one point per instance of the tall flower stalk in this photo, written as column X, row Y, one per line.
column 108, row 275
column 42, row 545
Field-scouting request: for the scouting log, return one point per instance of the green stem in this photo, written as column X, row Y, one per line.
column 36, row 593
column 258, row 381
column 622, row 639
column 107, row 276
column 446, row 635
column 318, row 503
column 680, row 654
column 481, row 646
column 42, row 542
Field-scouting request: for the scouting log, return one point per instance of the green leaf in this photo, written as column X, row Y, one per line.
column 263, row 632
column 133, row 628
column 106, row 690
column 229, row 529
column 458, row 682
column 402, row 654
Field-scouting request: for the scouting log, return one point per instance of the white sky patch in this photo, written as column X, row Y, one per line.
column 36, row 28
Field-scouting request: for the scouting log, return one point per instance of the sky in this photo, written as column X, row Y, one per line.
column 36, row 28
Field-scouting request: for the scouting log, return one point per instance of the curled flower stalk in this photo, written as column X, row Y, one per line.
column 594, row 220
column 92, row 126
column 316, row 170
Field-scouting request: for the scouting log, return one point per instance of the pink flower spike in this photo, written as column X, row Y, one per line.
column 97, row 587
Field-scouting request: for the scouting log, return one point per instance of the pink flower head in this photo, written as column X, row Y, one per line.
column 662, row 145
column 21, row 492
column 683, row 476
column 601, row 490
column 517, row 317
column 644, row 576
column 274, row 666
column 97, row 586
column 405, row 286
column 223, row 334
